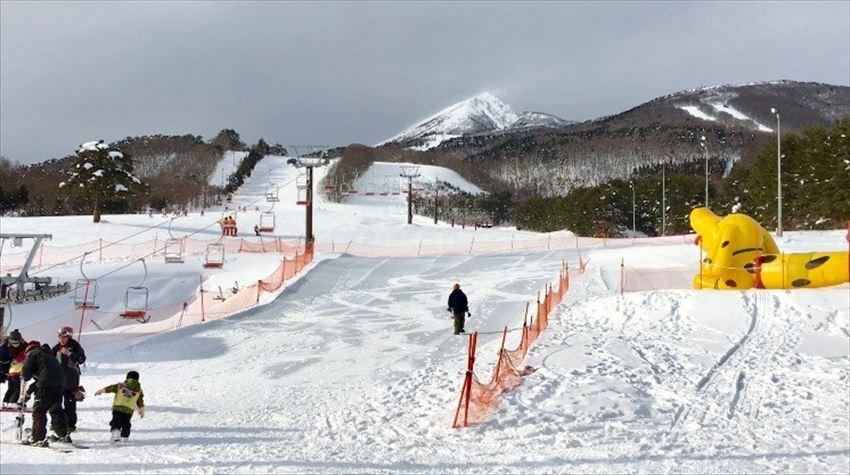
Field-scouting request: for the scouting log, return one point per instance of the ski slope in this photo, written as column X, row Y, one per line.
column 353, row 367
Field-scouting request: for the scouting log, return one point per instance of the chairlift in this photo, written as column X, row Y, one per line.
column 370, row 189
column 272, row 192
column 302, row 197
column 136, row 300
column 267, row 222
column 385, row 189
column 85, row 292
column 214, row 257
column 329, row 185
column 173, row 251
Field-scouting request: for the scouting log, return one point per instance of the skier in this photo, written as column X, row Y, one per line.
column 70, row 355
column 128, row 398
column 12, row 354
column 256, row 230
column 50, row 379
column 459, row 306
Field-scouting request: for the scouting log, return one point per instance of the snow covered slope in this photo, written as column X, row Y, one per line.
column 228, row 164
column 481, row 113
column 383, row 177
column 535, row 120
column 353, row 369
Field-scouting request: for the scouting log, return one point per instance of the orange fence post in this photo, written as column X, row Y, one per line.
column 501, row 353
column 467, row 383
column 259, row 289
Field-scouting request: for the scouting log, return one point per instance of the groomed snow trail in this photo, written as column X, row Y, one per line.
column 353, row 368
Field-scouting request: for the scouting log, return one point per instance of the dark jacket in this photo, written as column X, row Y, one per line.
column 458, row 302
column 71, row 363
column 43, row 366
column 9, row 354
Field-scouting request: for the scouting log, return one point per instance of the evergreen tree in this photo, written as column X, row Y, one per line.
column 101, row 173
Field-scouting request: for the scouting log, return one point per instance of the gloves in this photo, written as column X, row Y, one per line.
column 98, row 392
column 2, row 378
column 142, row 412
column 468, row 315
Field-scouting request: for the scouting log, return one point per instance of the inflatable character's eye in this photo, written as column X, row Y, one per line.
column 815, row 263
column 707, row 260
column 725, row 243
column 731, row 283
column 768, row 258
column 750, row 267
column 801, row 282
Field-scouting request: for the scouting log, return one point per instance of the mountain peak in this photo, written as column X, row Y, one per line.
column 480, row 113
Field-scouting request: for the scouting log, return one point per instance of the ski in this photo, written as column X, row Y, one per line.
column 27, row 410
column 19, row 419
column 64, row 450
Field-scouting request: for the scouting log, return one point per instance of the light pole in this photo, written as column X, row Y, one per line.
column 663, row 200
column 634, row 207
column 778, row 174
column 705, row 153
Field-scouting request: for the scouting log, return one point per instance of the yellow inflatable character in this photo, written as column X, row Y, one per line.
column 740, row 254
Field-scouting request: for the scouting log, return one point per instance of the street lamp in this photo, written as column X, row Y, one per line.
column 778, row 174
column 634, row 225
column 705, row 153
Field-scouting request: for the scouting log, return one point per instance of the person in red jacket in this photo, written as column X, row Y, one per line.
column 12, row 354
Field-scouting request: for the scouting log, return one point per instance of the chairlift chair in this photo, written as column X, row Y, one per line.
column 272, row 193
column 214, row 257
column 385, row 189
column 136, row 300
column 302, row 197
column 267, row 222
column 173, row 250
column 85, row 292
column 396, row 189
column 370, row 189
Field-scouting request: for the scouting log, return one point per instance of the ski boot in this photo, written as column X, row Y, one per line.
column 115, row 435
column 125, row 440
column 35, row 443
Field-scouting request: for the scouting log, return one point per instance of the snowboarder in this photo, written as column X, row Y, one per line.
column 70, row 355
column 128, row 398
column 459, row 306
column 50, row 379
column 12, row 354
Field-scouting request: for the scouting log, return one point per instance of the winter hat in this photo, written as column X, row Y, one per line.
column 65, row 331
column 46, row 348
column 133, row 375
column 15, row 336
column 33, row 345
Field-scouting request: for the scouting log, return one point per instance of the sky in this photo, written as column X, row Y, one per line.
column 340, row 73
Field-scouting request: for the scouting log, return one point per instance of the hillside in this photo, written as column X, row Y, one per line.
column 734, row 119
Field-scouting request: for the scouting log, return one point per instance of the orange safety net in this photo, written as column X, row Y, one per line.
column 478, row 400
column 100, row 327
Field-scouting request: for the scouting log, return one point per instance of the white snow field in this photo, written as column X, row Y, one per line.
column 353, row 367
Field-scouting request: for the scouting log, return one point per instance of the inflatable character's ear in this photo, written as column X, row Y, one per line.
column 705, row 223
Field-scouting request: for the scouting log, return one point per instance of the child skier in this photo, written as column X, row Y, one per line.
column 128, row 398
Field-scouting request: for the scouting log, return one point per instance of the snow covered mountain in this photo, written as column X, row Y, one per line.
column 534, row 120
column 482, row 113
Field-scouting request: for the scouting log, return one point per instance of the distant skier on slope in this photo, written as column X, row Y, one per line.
column 459, row 306
column 128, row 398
column 50, row 378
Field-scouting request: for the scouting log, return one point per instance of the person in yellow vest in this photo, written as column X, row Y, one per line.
column 12, row 354
column 128, row 399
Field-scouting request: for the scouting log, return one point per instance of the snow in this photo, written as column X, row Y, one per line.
column 228, row 164
column 115, row 155
column 88, row 165
column 696, row 112
column 352, row 368
column 740, row 116
column 119, row 187
column 479, row 113
column 98, row 173
column 94, row 146
column 382, row 176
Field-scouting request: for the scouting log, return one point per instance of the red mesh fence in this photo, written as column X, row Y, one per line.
column 478, row 400
column 99, row 327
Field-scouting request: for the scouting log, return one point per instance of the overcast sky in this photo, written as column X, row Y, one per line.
column 337, row 73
